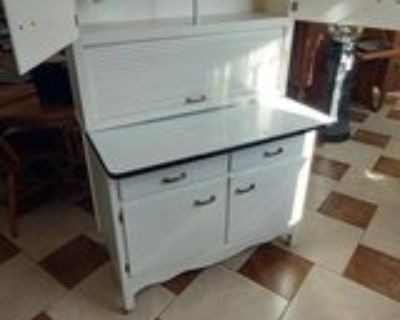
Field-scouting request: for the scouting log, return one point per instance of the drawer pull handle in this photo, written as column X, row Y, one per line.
column 249, row 189
column 203, row 203
column 270, row 154
column 200, row 99
column 170, row 180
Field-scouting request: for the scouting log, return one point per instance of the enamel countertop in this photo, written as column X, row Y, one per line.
column 136, row 148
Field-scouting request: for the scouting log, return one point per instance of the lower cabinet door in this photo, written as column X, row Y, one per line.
column 169, row 230
column 262, row 201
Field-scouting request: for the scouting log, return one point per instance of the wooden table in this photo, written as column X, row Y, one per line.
column 29, row 112
column 12, row 93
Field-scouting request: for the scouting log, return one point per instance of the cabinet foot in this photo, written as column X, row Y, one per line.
column 288, row 240
column 129, row 304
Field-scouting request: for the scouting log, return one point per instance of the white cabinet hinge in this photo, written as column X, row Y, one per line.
column 76, row 19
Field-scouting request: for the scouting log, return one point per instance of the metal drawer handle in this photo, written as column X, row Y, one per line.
column 203, row 203
column 170, row 180
column 249, row 189
column 270, row 154
column 191, row 100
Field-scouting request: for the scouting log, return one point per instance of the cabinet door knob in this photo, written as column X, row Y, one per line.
column 249, row 189
column 191, row 100
column 170, row 180
column 203, row 203
column 270, row 154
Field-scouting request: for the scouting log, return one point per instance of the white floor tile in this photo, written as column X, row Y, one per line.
column 368, row 185
column 393, row 148
column 221, row 294
column 44, row 230
column 378, row 122
column 99, row 298
column 383, row 233
column 319, row 188
column 25, row 289
column 326, row 242
column 350, row 152
column 326, row 296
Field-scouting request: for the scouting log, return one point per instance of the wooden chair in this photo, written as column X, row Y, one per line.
column 377, row 67
column 75, row 173
column 31, row 162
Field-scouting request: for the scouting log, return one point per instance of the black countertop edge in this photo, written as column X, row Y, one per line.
column 127, row 174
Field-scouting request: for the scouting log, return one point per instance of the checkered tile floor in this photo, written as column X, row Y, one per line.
column 346, row 264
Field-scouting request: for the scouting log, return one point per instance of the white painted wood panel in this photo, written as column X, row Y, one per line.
column 146, row 79
column 139, row 10
column 39, row 29
column 262, row 201
column 172, row 228
column 212, row 7
column 111, row 33
column 122, row 10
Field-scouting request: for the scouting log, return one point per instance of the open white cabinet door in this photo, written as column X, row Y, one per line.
column 383, row 14
column 39, row 29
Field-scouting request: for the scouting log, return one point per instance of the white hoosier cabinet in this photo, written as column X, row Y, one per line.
column 194, row 151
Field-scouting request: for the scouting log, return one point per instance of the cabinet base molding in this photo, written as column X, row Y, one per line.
column 138, row 282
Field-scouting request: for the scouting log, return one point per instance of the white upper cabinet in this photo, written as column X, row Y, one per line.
column 39, row 29
column 382, row 14
column 188, row 74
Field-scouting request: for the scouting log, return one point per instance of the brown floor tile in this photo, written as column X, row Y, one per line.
column 358, row 116
column 42, row 316
column 7, row 249
column 388, row 166
column 394, row 114
column 348, row 209
column 277, row 270
column 376, row 271
column 74, row 261
column 178, row 284
column 329, row 168
column 371, row 138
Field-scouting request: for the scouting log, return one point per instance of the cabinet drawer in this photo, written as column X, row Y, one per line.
column 268, row 153
column 172, row 177
column 172, row 229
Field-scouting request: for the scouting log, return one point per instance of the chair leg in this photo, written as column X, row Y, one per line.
column 13, row 204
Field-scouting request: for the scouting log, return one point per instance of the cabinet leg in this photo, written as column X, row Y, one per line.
column 129, row 303
column 288, row 240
